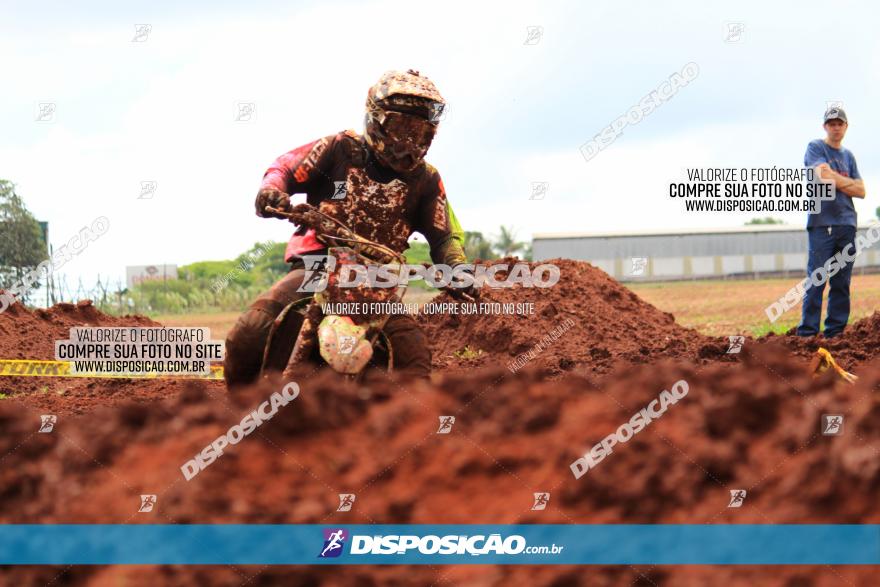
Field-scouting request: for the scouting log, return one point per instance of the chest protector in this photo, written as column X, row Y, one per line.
column 374, row 210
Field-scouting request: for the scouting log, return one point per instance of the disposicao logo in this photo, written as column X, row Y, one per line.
column 431, row 544
column 334, row 542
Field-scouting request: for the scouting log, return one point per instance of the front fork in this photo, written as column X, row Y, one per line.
column 306, row 340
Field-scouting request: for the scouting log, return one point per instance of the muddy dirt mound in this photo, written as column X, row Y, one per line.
column 752, row 425
column 858, row 344
column 31, row 334
column 749, row 421
column 592, row 321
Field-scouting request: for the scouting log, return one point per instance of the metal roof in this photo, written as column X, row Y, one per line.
column 680, row 231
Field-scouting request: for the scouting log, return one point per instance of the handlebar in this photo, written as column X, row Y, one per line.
column 332, row 232
column 328, row 228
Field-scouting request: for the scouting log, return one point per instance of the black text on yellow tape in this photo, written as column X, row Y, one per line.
column 26, row 368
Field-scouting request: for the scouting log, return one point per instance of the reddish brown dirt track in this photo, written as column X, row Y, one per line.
column 749, row 421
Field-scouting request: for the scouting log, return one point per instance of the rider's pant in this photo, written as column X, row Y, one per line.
column 246, row 342
column 412, row 354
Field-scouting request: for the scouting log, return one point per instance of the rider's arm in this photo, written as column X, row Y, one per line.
column 457, row 231
column 436, row 221
column 292, row 172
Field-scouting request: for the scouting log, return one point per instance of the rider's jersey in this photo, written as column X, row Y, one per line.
column 341, row 177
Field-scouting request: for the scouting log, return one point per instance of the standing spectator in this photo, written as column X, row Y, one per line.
column 833, row 228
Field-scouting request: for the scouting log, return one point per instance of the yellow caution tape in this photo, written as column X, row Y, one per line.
column 23, row 368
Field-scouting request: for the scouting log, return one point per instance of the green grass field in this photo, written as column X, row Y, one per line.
column 716, row 308
column 721, row 308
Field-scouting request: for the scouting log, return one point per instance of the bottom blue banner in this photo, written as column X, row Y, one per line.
column 532, row 544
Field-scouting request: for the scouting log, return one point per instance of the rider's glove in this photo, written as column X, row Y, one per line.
column 466, row 275
column 271, row 198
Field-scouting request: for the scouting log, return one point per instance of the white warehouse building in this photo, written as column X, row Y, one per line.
column 747, row 251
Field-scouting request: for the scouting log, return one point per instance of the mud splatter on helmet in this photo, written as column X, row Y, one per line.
column 403, row 111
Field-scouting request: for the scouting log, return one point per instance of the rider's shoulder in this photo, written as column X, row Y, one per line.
column 431, row 171
column 430, row 181
column 341, row 137
column 347, row 135
column 352, row 145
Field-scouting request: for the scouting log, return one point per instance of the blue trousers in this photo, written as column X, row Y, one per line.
column 824, row 243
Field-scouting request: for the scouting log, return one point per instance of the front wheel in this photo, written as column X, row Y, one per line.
column 285, row 330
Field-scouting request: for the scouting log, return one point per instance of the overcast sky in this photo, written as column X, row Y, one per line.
column 160, row 105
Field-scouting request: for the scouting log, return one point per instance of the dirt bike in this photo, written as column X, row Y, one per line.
column 348, row 343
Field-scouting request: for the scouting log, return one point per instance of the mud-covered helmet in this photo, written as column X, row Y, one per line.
column 403, row 111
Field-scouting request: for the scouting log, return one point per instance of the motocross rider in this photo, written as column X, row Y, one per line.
column 377, row 184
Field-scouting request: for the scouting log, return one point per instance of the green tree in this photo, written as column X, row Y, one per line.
column 224, row 285
column 21, row 241
column 877, row 212
column 765, row 220
column 506, row 243
column 262, row 264
column 205, row 270
column 476, row 246
column 268, row 262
